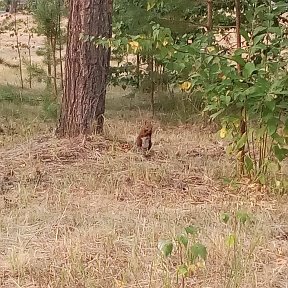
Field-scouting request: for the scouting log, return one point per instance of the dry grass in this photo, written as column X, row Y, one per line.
column 90, row 214
column 8, row 49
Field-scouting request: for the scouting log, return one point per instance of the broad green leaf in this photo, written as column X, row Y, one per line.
column 277, row 86
column 238, row 59
column 279, row 139
column 276, row 30
column 261, row 8
column 259, row 30
column 249, row 68
column 260, row 132
column 261, row 178
column 258, row 39
column 198, row 250
column 269, row 16
column 183, row 239
column 227, row 100
column 213, row 116
column 258, row 47
column 273, row 167
column 248, row 163
column 209, row 59
column 182, row 270
column 249, row 15
column 272, row 125
column 166, row 247
column 125, row 41
column 280, row 153
column 214, row 68
column 240, row 51
column 225, row 217
column 280, row 8
column 191, row 230
column 245, row 34
column 270, row 104
column 242, row 141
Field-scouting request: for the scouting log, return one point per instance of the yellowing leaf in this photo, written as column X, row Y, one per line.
column 150, row 4
column 236, row 123
column 210, row 49
column 183, row 270
column 223, row 132
column 241, row 143
column 278, row 183
column 134, row 46
column 230, row 240
column 221, row 76
column 215, row 99
column 185, row 86
column 239, row 155
column 192, row 268
column 230, row 149
column 201, row 264
column 165, row 42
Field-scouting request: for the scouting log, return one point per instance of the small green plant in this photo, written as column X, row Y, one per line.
column 3, row 4
column 239, row 249
column 188, row 253
column 50, row 107
column 35, row 72
column 48, row 18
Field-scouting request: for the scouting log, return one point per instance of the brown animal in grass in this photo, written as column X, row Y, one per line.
column 144, row 138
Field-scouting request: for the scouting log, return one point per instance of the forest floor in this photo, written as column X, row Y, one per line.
column 90, row 214
column 77, row 213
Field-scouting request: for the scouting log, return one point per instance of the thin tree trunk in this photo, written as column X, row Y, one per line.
column 86, row 67
column 29, row 54
column 49, row 62
column 209, row 15
column 13, row 6
column 53, row 46
column 60, row 49
column 209, row 27
column 152, row 85
column 243, row 127
column 138, row 70
column 18, row 46
column 61, row 67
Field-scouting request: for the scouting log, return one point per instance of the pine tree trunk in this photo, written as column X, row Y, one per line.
column 86, row 68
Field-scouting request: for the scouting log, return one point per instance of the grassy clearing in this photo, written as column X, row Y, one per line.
column 23, row 114
column 90, row 214
column 76, row 214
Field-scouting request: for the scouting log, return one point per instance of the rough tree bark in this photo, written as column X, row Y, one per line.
column 86, row 68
